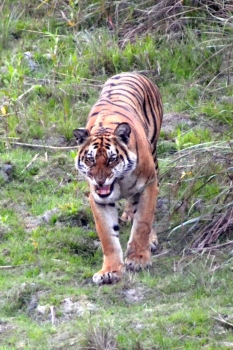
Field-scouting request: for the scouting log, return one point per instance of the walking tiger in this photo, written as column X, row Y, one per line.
column 117, row 155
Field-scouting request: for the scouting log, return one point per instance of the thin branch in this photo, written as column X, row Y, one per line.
column 30, row 163
column 27, row 92
column 224, row 322
column 223, row 245
column 7, row 267
column 30, row 145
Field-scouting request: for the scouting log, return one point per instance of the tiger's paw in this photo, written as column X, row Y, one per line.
column 125, row 217
column 107, row 277
column 128, row 213
column 153, row 243
column 136, row 262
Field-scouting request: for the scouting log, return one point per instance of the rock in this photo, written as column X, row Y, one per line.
column 43, row 309
column 46, row 217
column 29, row 59
column 135, row 295
column 77, row 307
column 4, row 70
column 172, row 120
column 6, row 171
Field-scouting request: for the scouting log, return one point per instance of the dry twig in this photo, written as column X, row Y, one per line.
column 33, row 145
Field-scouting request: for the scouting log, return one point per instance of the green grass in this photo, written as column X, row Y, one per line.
column 151, row 320
column 49, row 249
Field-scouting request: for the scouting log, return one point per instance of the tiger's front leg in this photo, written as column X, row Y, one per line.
column 106, row 222
column 138, row 254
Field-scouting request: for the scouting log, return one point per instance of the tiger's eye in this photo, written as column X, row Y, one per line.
column 90, row 159
column 112, row 159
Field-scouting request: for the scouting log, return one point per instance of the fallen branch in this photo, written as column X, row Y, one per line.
column 223, row 322
column 53, row 314
column 30, row 163
column 7, row 267
column 213, row 247
column 31, row 145
column 27, row 92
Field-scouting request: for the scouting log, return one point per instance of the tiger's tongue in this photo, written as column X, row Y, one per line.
column 103, row 190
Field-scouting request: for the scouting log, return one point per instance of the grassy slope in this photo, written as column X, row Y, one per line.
column 49, row 249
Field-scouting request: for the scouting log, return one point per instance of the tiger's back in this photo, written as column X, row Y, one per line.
column 134, row 94
column 118, row 157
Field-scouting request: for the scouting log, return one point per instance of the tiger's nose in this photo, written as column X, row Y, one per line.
column 100, row 182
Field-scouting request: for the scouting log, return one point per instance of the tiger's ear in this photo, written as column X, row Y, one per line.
column 81, row 135
column 123, row 131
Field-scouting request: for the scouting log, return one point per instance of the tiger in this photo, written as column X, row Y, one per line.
column 117, row 156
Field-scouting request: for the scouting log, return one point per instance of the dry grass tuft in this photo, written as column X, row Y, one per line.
column 217, row 225
column 206, row 199
column 100, row 338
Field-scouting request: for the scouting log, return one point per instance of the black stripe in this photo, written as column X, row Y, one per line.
column 124, row 150
column 116, row 77
column 113, row 104
column 109, row 84
column 137, row 83
column 124, row 95
column 94, row 114
column 101, row 204
column 132, row 85
column 132, row 104
column 155, row 118
column 136, row 145
column 131, row 79
column 145, row 112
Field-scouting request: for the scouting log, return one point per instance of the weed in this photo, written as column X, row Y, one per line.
column 191, row 138
column 100, row 337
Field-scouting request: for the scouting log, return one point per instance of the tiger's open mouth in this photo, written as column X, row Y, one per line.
column 104, row 191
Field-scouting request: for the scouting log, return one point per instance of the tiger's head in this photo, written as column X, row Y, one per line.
column 104, row 158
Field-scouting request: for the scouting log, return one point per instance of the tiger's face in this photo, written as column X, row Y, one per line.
column 105, row 159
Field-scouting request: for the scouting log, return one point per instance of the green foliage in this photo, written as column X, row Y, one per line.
column 191, row 138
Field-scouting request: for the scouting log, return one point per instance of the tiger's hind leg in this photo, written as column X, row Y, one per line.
column 153, row 240
column 128, row 215
column 143, row 238
column 130, row 208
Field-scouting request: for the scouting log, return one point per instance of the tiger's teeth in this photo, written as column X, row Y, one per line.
column 103, row 190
